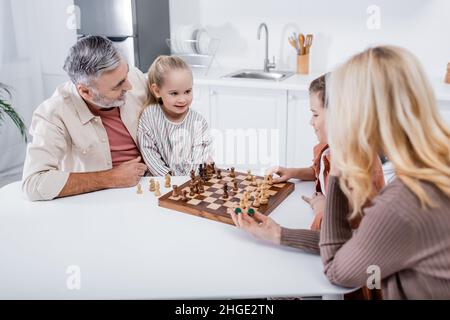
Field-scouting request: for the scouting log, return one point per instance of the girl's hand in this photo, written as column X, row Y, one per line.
column 259, row 226
column 284, row 174
column 317, row 202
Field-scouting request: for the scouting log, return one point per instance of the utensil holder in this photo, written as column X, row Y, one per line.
column 303, row 64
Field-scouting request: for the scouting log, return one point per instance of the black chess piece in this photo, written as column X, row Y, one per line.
column 201, row 189
column 225, row 191
column 192, row 189
column 219, row 175
column 192, row 175
column 184, row 196
column 200, row 170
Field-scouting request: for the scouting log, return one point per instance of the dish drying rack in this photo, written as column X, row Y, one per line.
column 199, row 55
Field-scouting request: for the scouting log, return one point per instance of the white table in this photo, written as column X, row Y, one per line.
column 126, row 247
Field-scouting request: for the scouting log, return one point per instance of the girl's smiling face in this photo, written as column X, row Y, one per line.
column 176, row 93
column 318, row 117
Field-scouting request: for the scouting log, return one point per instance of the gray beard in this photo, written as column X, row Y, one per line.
column 105, row 103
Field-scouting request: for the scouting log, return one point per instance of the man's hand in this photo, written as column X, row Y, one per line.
column 317, row 202
column 127, row 174
column 259, row 226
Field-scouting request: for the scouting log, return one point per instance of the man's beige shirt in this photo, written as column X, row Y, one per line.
column 67, row 138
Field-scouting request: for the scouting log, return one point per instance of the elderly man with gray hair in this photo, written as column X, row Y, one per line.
column 84, row 136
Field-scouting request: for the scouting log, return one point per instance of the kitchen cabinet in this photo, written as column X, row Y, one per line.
column 255, row 127
column 200, row 102
column 249, row 126
column 301, row 138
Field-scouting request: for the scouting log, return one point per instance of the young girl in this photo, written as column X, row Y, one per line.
column 172, row 137
column 320, row 168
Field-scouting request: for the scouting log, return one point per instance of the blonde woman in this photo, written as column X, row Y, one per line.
column 381, row 102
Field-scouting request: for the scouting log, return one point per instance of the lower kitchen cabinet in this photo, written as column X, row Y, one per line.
column 249, row 126
column 301, row 138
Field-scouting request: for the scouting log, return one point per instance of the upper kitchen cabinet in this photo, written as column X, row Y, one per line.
column 248, row 126
column 301, row 138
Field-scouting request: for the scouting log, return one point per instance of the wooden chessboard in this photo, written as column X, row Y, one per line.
column 210, row 203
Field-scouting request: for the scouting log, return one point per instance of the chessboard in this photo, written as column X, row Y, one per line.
column 210, row 204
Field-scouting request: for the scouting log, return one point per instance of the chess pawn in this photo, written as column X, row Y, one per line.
column 249, row 175
column 175, row 192
column 151, row 186
column 139, row 189
column 232, row 173
column 219, row 175
column 167, row 181
column 235, row 185
column 263, row 199
column 254, row 181
column 256, row 203
column 242, row 204
column 192, row 189
column 192, row 175
column 225, row 192
column 200, row 187
column 157, row 191
column 270, row 180
column 184, row 196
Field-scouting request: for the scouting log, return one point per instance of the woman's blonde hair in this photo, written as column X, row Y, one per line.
column 381, row 102
column 157, row 71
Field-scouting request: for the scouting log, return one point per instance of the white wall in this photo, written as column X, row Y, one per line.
column 34, row 40
column 339, row 27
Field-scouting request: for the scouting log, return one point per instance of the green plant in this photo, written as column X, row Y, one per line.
column 7, row 110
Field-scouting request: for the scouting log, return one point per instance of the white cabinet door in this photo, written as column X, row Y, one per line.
column 200, row 102
column 249, row 127
column 301, row 138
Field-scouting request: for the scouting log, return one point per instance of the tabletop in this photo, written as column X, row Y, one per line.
column 117, row 244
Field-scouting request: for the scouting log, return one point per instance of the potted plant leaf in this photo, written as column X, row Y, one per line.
column 7, row 110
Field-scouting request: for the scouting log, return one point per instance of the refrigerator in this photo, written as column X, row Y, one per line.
column 139, row 28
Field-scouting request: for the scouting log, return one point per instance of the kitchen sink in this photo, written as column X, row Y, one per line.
column 260, row 75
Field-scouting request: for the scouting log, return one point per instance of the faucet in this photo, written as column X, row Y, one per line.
column 267, row 64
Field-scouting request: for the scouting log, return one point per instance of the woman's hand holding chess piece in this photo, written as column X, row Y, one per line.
column 259, row 226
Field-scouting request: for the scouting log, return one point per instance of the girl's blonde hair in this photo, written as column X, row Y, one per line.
column 159, row 68
column 381, row 101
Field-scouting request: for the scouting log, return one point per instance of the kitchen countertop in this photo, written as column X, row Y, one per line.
column 295, row 82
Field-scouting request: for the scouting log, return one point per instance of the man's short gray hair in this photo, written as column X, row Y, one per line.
column 89, row 58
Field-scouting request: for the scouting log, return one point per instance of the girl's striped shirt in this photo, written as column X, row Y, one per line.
column 176, row 147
